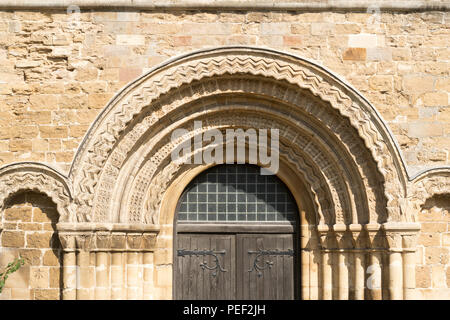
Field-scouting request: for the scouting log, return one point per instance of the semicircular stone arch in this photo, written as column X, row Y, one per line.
column 20, row 177
column 337, row 158
column 354, row 131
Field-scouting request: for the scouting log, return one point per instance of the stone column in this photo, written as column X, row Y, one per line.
column 374, row 280
column 116, row 276
column 409, row 242
column 314, row 265
column 85, row 275
column 148, row 275
column 394, row 241
column 314, row 274
column 343, row 265
column 327, row 263
column 132, row 275
column 69, row 267
column 401, row 237
column 359, row 258
column 85, row 279
column 69, row 276
column 118, row 262
column 305, row 274
column 102, row 289
column 304, row 251
column 93, row 260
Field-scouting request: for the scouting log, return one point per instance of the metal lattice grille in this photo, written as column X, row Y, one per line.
column 233, row 193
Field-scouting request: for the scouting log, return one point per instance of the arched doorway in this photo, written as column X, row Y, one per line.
column 336, row 156
column 236, row 237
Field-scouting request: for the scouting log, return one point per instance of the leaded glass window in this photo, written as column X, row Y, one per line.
column 236, row 193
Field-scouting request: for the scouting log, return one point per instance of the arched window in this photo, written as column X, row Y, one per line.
column 236, row 193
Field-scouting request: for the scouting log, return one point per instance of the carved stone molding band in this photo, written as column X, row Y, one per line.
column 37, row 177
column 107, row 237
column 89, row 164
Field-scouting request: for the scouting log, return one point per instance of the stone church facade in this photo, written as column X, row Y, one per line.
column 90, row 96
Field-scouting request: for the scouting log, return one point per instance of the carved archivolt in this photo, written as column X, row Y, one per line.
column 304, row 127
column 427, row 184
column 330, row 134
column 40, row 178
column 148, row 91
column 158, row 171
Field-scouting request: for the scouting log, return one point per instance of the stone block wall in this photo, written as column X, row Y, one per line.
column 433, row 265
column 57, row 71
column 29, row 224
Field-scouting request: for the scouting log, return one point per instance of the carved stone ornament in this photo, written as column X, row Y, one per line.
column 107, row 237
column 329, row 135
column 99, row 164
column 36, row 177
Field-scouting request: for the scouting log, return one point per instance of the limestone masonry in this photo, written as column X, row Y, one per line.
column 89, row 96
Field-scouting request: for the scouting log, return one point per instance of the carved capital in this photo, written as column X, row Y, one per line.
column 343, row 237
column 67, row 240
column 359, row 236
column 394, row 241
column 409, row 242
column 401, row 236
column 375, row 236
column 107, row 237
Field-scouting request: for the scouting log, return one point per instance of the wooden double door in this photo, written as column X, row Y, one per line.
column 227, row 266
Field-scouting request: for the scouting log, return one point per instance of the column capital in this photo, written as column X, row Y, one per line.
column 359, row 236
column 344, row 236
column 107, row 237
column 401, row 235
column 394, row 241
column 326, row 236
column 375, row 240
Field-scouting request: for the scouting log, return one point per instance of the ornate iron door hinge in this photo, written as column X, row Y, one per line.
column 268, row 264
column 204, row 264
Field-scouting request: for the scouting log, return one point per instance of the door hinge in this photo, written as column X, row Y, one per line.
column 267, row 264
column 204, row 264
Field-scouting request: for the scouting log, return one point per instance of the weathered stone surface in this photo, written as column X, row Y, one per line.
column 358, row 54
column 39, row 239
column 18, row 214
column 15, row 239
column 46, row 294
column 57, row 79
column 50, row 258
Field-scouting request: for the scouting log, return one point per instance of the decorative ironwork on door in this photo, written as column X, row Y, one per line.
column 204, row 265
column 267, row 264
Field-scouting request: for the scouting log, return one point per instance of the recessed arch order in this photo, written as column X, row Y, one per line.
column 337, row 157
column 328, row 132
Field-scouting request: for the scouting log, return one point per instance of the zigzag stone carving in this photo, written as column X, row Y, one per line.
column 36, row 177
column 428, row 184
column 159, row 162
column 93, row 155
column 168, row 111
